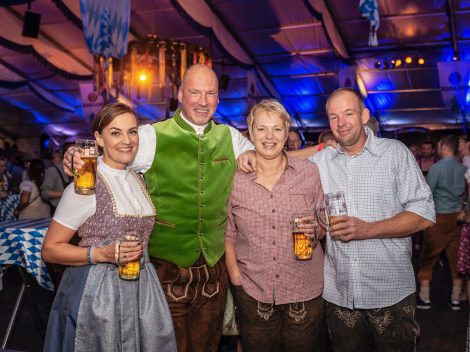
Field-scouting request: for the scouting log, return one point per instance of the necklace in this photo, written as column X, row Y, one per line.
column 278, row 171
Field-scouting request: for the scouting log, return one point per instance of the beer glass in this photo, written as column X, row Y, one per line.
column 334, row 205
column 85, row 178
column 303, row 245
column 130, row 270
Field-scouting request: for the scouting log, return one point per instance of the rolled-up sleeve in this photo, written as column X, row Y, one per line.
column 147, row 148
column 414, row 193
column 231, row 231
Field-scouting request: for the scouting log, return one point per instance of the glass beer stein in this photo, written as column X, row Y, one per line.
column 130, row 270
column 303, row 245
column 85, row 178
column 334, row 205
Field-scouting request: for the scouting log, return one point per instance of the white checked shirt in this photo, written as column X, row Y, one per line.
column 380, row 182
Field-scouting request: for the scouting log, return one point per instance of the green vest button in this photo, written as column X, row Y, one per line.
column 197, row 250
column 202, row 191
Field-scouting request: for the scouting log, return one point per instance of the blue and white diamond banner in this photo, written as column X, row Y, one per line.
column 21, row 243
column 106, row 26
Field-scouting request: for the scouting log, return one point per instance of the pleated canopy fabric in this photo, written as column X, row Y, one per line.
column 296, row 51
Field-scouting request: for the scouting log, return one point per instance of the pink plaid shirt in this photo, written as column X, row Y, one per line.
column 259, row 225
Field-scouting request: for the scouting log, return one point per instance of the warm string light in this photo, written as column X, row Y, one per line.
column 398, row 62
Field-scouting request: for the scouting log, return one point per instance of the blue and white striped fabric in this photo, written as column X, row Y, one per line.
column 20, row 244
column 7, row 207
column 106, row 26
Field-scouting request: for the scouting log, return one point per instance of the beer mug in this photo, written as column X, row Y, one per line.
column 303, row 245
column 85, row 178
column 334, row 205
column 130, row 270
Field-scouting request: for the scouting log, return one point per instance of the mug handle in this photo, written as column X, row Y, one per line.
column 318, row 209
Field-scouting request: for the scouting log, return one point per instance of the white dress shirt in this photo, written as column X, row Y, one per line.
column 130, row 199
column 148, row 144
column 379, row 183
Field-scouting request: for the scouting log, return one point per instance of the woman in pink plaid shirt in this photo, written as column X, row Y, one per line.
column 278, row 298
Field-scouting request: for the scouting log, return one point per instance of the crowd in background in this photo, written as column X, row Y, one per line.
column 36, row 186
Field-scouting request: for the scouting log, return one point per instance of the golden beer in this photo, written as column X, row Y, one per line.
column 130, row 270
column 331, row 220
column 85, row 178
column 302, row 246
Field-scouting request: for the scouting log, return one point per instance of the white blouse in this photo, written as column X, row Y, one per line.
column 74, row 209
column 148, row 144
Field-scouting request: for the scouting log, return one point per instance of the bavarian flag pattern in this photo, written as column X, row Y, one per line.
column 106, row 26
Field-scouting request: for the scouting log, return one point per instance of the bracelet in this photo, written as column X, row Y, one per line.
column 88, row 251
column 90, row 258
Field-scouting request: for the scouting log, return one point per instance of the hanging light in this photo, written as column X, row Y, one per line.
column 398, row 62
column 143, row 77
column 151, row 71
column 421, row 61
column 408, row 59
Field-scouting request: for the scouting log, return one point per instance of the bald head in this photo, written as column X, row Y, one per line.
column 199, row 94
column 199, row 69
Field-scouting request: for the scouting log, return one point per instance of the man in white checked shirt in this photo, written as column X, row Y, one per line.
column 369, row 279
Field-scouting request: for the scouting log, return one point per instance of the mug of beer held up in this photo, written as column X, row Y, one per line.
column 130, row 270
column 334, row 205
column 85, row 178
column 303, row 245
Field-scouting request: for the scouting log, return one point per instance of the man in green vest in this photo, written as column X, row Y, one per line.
column 189, row 163
column 189, row 177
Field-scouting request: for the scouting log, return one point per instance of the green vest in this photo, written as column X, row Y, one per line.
column 189, row 182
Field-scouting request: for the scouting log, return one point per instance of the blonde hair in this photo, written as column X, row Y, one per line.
column 269, row 106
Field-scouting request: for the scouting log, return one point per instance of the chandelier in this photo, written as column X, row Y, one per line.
column 150, row 72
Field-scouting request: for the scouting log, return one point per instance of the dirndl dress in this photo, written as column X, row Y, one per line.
column 95, row 310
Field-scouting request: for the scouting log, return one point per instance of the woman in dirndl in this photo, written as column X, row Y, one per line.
column 94, row 309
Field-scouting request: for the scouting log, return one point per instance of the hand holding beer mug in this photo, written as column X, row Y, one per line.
column 85, row 178
column 333, row 206
column 130, row 246
column 304, row 242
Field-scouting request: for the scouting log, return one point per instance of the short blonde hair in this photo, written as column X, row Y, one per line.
column 269, row 106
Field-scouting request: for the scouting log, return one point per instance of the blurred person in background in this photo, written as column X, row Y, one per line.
column 373, row 124
column 3, row 178
column 464, row 149
column 416, row 151
column 428, row 157
column 31, row 204
column 294, row 142
column 55, row 179
column 447, row 182
column 326, row 137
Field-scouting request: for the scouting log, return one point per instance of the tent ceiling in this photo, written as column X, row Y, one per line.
column 286, row 41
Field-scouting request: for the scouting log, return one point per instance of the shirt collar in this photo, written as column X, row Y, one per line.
column 371, row 145
column 108, row 170
column 198, row 129
column 291, row 164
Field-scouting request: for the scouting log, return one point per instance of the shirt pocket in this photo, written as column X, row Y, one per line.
column 299, row 200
